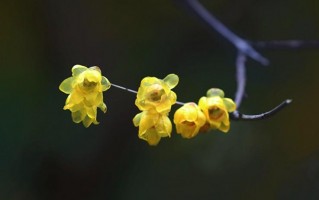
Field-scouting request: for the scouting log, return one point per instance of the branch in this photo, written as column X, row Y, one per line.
column 237, row 116
column 124, row 88
column 240, row 78
column 242, row 45
column 135, row 92
column 285, row 44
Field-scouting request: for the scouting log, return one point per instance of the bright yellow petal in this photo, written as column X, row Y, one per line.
column 93, row 76
column 172, row 97
column 224, row 128
column 87, row 121
column 164, row 126
column 75, row 97
column 151, row 137
column 202, row 103
column 103, row 107
column 91, row 112
column 78, row 69
column 187, row 129
column 147, row 121
column 93, row 98
column 230, row 104
column 171, row 80
column 137, row 119
column 215, row 92
column 78, row 116
column 163, row 107
column 66, row 85
column 105, row 83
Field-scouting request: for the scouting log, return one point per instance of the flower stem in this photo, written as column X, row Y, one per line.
column 237, row 116
column 135, row 92
column 124, row 88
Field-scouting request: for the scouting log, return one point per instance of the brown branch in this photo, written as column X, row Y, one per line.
column 237, row 116
column 241, row 44
column 286, row 44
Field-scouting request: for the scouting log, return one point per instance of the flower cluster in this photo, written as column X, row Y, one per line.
column 85, row 89
column 154, row 99
column 210, row 113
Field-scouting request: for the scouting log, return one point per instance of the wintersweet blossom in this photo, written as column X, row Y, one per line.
column 188, row 120
column 152, row 126
column 216, row 109
column 156, row 94
column 85, row 89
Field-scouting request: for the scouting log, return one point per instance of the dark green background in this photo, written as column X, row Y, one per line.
column 44, row 155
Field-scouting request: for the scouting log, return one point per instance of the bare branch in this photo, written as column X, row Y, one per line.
column 240, row 77
column 285, row 44
column 243, row 117
column 124, row 88
column 135, row 92
column 241, row 44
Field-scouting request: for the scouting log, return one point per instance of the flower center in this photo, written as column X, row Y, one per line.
column 156, row 92
column 187, row 123
column 215, row 113
column 89, row 84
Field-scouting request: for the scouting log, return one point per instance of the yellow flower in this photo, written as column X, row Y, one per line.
column 188, row 120
column 155, row 93
column 152, row 126
column 85, row 89
column 216, row 108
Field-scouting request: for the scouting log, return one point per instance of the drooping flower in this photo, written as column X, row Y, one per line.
column 152, row 126
column 216, row 109
column 85, row 89
column 188, row 120
column 156, row 94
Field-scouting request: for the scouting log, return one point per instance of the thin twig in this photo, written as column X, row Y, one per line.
column 285, row 44
column 124, row 88
column 243, row 117
column 241, row 44
column 135, row 92
column 240, row 78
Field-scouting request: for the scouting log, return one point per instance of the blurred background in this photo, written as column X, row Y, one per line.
column 44, row 155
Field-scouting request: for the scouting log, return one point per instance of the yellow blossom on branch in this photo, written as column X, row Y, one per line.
column 216, row 109
column 188, row 120
column 156, row 94
column 152, row 126
column 85, row 89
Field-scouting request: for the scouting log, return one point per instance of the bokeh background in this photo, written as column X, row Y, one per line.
column 44, row 155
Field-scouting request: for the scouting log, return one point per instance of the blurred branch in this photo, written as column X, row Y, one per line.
column 285, row 44
column 242, row 45
column 238, row 116
column 245, row 49
column 135, row 92
column 240, row 77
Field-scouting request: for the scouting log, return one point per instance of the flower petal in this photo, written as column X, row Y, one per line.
column 230, row 104
column 215, row 92
column 78, row 69
column 151, row 137
column 171, row 80
column 103, row 107
column 224, row 128
column 91, row 112
column 164, row 126
column 78, row 116
column 137, row 119
column 66, row 85
column 105, row 83
column 87, row 121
